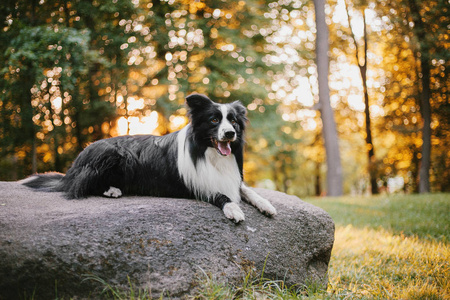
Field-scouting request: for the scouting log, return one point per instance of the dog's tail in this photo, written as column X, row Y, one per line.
column 47, row 182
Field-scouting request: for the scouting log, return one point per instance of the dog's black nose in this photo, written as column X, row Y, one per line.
column 229, row 134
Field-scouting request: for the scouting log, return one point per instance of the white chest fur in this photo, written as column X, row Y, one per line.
column 212, row 175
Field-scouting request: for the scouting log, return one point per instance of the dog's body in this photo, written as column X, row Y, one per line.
column 203, row 160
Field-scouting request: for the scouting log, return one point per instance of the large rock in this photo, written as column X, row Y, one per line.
column 49, row 244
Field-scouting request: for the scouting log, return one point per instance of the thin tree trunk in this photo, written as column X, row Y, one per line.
column 76, row 118
column 369, row 143
column 276, row 177
column 14, row 173
column 27, row 118
column 317, row 184
column 34, row 156
column 415, row 164
column 425, row 107
column 372, row 168
column 318, row 162
column 424, row 172
column 334, row 169
column 57, row 161
column 33, row 22
column 285, row 177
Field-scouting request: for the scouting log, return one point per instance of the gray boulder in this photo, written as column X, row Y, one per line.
column 49, row 245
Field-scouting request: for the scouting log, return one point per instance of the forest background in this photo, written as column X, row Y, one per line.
column 73, row 72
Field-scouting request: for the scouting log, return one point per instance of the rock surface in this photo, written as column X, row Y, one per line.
column 49, row 244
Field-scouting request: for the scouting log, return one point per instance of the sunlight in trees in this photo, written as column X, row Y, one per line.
column 80, row 71
column 135, row 125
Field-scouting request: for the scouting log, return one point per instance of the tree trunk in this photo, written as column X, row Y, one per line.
column 424, row 172
column 425, row 107
column 317, row 184
column 54, row 133
column 28, row 127
column 34, row 156
column 285, row 177
column 415, row 166
column 369, row 143
column 334, row 169
column 371, row 164
column 275, row 173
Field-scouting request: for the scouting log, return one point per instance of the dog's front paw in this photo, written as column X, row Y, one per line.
column 267, row 209
column 233, row 212
column 113, row 192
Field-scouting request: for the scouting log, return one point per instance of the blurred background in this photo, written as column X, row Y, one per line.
column 73, row 72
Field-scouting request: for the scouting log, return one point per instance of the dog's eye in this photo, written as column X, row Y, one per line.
column 233, row 122
column 215, row 121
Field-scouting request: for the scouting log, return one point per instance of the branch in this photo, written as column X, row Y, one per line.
column 365, row 38
column 353, row 35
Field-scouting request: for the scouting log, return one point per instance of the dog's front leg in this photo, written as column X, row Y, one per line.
column 231, row 210
column 257, row 201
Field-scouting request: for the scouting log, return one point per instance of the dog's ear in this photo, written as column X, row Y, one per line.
column 241, row 113
column 196, row 101
column 240, row 108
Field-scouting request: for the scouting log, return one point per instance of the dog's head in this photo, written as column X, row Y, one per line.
column 220, row 126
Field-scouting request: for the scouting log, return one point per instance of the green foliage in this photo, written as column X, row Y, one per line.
column 116, row 50
column 38, row 48
column 54, row 65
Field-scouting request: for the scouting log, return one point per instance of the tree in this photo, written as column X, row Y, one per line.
column 420, row 32
column 416, row 85
column 334, row 169
column 362, row 65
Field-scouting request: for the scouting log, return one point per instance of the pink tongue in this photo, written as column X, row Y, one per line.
column 224, row 148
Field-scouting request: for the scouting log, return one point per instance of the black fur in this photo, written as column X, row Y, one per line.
column 137, row 165
column 146, row 164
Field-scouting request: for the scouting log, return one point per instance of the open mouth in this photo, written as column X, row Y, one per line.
column 222, row 147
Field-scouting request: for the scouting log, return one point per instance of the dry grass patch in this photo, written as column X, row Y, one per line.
column 374, row 263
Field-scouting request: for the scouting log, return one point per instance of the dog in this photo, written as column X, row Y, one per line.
column 204, row 160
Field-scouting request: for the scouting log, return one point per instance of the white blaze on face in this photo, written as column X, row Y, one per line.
column 223, row 142
column 225, row 125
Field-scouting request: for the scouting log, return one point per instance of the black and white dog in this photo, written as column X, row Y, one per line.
column 203, row 160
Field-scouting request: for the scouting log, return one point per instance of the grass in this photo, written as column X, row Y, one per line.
column 386, row 247
column 256, row 288
column 119, row 293
column 424, row 216
column 389, row 247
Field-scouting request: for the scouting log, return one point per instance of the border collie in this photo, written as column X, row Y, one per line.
column 203, row 161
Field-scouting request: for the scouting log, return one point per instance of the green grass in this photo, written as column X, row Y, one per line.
column 122, row 293
column 386, row 247
column 389, row 247
column 424, row 216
